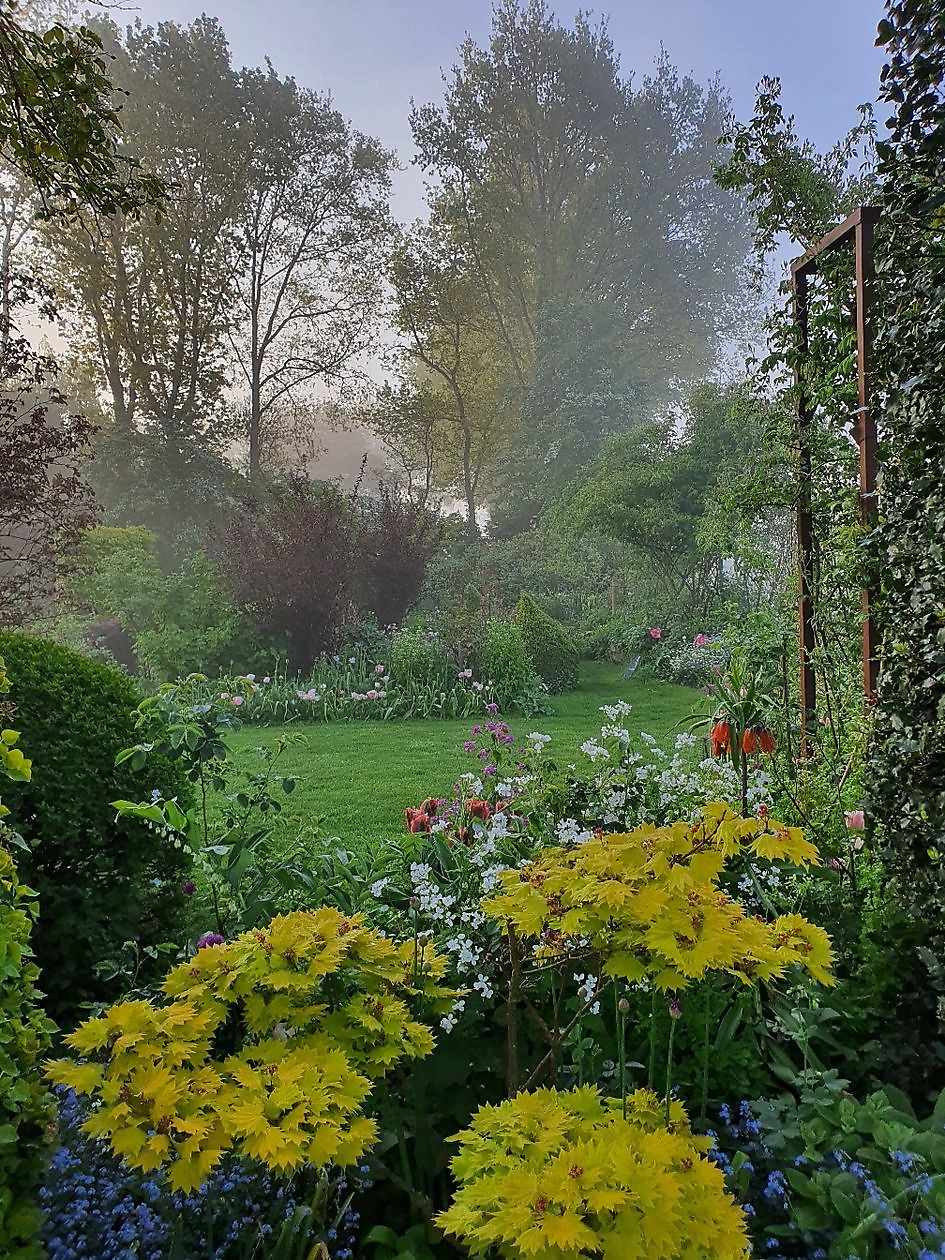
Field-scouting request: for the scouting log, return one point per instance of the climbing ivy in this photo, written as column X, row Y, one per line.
column 907, row 773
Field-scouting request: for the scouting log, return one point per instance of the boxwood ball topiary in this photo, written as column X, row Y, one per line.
column 101, row 880
column 549, row 644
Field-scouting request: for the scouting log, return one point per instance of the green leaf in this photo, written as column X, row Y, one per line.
column 845, row 1196
column 384, row 1235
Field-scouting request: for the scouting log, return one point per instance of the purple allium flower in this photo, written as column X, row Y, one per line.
column 675, row 1008
column 469, row 746
column 489, row 771
column 492, row 708
column 188, row 887
column 210, row 938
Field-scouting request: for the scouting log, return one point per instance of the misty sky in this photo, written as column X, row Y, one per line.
column 374, row 55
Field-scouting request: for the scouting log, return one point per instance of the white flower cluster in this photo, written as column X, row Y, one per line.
column 615, row 711
column 569, row 831
column 457, row 916
column 587, row 987
column 630, row 787
column 448, row 1022
column 758, row 884
column 591, row 748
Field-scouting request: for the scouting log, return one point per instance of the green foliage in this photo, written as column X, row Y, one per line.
column 865, row 1178
column 906, row 778
column 179, row 619
column 790, row 186
column 548, row 643
column 68, row 144
column 670, row 499
column 25, row 1034
column 619, row 637
column 230, row 845
column 178, row 491
column 417, row 658
column 503, row 661
column 569, row 352
column 565, row 574
column 414, row 1243
column 101, row 881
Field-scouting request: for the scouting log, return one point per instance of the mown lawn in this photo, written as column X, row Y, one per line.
column 357, row 777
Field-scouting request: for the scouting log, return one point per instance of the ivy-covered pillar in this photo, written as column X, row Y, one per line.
column 906, row 778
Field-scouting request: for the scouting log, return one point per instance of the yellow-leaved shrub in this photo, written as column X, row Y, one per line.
column 561, row 1175
column 266, row 1046
column 649, row 903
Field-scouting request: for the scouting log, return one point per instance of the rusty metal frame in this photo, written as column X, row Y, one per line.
column 858, row 229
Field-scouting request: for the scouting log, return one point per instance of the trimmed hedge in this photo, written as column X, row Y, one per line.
column 101, row 880
column 26, row 1110
column 549, row 645
column 26, row 1105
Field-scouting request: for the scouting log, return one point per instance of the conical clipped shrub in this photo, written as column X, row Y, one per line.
column 549, row 644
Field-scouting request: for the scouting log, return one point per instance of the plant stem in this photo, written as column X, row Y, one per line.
column 622, row 1051
column 651, row 1067
column 511, row 1024
column 705, row 1055
column 669, row 1066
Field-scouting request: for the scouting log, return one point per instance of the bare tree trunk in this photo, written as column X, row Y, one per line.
column 469, row 485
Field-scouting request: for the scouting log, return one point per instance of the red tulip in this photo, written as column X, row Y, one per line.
column 479, row 809
column 417, row 820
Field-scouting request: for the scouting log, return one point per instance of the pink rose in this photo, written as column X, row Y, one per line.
column 656, row 632
column 854, row 820
column 378, row 669
column 236, row 701
column 701, row 640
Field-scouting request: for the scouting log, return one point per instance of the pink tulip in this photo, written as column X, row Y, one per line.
column 701, row 640
column 656, row 633
column 854, row 820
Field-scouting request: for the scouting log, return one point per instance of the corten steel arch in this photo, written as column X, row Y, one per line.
column 858, row 230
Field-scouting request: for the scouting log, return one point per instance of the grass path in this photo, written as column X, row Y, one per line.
column 357, row 777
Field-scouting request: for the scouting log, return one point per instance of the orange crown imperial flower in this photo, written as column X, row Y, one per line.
column 758, row 739
column 721, row 737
